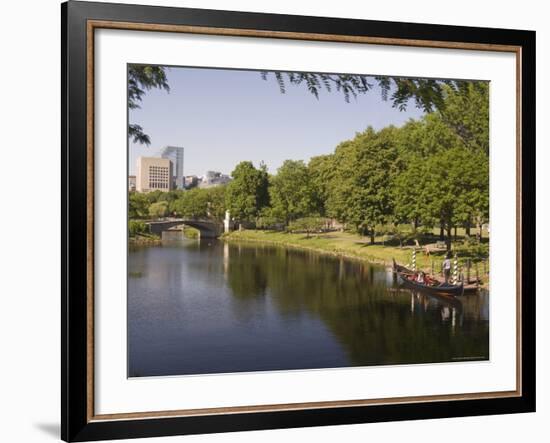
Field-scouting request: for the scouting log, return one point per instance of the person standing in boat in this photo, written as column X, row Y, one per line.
column 447, row 267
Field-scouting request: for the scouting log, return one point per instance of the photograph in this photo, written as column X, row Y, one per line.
column 285, row 221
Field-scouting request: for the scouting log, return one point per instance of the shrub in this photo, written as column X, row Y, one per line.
column 307, row 225
column 190, row 232
column 136, row 227
column 158, row 209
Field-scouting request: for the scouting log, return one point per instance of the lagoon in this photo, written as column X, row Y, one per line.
column 208, row 306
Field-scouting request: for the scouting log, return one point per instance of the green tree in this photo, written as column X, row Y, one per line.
column 455, row 188
column 201, row 203
column 291, row 191
column 360, row 192
column 193, row 203
column 417, row 141
column 268, row 219
column 466, row 112
column 321, row 171
column 142, row 78
column 426, row 94
column 154, row 196
column 215, row 202
column 247, row 193
column 407, row 188
column 158, row 209
column 473, row 206
column 138, row 205
column 136, row 227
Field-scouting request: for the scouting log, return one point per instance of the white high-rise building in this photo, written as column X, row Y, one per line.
column 175, row 154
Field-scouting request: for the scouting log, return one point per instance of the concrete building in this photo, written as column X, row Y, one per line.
column 175, row 155
column 191, row 181
column 131, row 183
column 214, row 178
column 154, row 174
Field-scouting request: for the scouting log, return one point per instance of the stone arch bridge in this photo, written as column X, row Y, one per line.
column 208, row 228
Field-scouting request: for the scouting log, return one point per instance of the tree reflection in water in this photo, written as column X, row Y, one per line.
column 374, row 325
column 209, row 306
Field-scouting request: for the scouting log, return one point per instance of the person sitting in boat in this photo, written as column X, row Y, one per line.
column 420, row 277
column 428, row 280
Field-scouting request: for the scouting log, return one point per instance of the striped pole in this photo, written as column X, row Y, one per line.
column 414, row 260
column 455, row 270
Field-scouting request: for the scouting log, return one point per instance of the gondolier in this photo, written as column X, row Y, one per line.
column 447, row 267
column 409, row 279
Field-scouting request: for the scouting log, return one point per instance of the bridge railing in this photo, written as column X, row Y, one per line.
column 182, row 220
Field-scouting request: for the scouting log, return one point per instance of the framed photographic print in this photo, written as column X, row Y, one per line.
column 276, row 221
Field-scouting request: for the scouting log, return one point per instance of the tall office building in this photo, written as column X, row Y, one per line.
column 175, row 154
column 154, row 174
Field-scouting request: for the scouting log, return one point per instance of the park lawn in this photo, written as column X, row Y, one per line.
column 337, row 243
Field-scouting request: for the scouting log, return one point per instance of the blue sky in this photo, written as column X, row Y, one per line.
column 222, row 117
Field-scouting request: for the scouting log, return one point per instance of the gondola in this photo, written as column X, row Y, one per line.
column 440, row 289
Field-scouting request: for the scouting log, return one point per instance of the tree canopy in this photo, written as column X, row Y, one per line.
column 426, row 94
column 430, row 172
column 142, row 78
column 247, row 193
column 292, row 192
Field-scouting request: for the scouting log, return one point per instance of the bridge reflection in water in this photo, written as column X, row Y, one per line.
column 210, row 307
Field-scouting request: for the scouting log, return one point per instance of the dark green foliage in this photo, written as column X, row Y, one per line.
column 466, row 112
column 292, row 192
column 138, row 205
column 136, row 227
column 158, row 209
column 360, row 189
column 142, row 78
column 427, row 94
column 193, row 203
column 348, row 85
column 196, row 203
column 247, row 193
column 268, row 219
column 135, row 132
column 215, row 202
column 321, row 171
column 201, row 203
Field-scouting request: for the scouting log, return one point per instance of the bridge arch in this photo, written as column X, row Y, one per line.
column 206, row 228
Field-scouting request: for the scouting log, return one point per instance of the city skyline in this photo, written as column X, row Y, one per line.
column 253, row 119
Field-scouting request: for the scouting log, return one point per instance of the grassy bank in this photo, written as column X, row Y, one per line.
column 354, row 246
column 189, row 232
column 337, row 243
column 144, row 239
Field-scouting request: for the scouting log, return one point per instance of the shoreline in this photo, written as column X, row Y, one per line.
column 141, row 240
column 232, row 238
column 296, row 241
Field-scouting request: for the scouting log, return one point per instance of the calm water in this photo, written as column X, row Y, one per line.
column 209, row 307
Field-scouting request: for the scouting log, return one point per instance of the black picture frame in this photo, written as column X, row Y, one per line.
column 76, row 423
